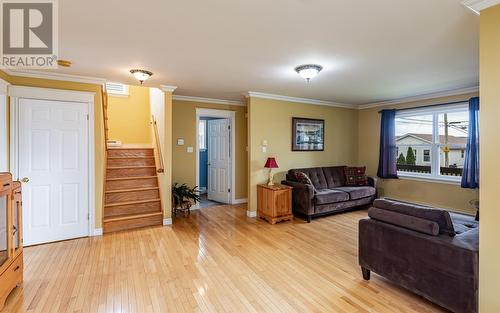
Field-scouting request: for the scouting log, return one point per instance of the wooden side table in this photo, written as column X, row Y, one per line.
column 274, row 203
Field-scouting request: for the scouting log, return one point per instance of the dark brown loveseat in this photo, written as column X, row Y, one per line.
column 328, row 194
column 429, row 251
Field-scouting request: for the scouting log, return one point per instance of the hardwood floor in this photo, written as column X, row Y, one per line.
column 215, row 260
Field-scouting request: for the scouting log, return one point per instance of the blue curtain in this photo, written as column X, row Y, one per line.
column 470, row 174
column 387, row 156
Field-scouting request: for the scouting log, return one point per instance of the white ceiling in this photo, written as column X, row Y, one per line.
column 371, row 50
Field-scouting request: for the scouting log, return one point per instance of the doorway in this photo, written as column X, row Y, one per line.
column 214, row 156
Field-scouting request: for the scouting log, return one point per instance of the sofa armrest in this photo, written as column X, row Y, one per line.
column 302, row 197
column 372, row 181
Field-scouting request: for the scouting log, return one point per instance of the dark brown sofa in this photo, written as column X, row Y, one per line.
column 328, row 194
column 429, row 251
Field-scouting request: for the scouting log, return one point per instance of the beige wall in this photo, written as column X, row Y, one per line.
column 98, row 126
column 489, row 228
column 438, row 194
column 271, row 120
column 129, row 117
column 184, row 126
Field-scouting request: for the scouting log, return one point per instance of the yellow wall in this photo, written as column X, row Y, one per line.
column 165, row 178
column 489, row 230
column 129, row 117
column 271, row 120
column 184, row 126
column 438, row 194
column 98, row 125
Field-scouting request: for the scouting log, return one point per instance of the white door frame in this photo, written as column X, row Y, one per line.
column 232, row 120
column 18, row 92
column 4, row 164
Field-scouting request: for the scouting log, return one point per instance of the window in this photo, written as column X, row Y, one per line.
column 427, row 155
column 202, row 135
column 431, row 141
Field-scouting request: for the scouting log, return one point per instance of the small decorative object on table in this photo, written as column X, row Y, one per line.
column 270, row 164
column 274, row 203
column 183, row 198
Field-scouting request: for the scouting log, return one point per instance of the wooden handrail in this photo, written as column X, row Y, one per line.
column 160, row 168
column 105, row 116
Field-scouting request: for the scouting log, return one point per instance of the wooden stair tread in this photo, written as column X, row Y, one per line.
column 130, row 216
column 131, row 157
column 133, row 148
column 132, row 189
column 126, row 167
column 130, row 178
column 131, row 202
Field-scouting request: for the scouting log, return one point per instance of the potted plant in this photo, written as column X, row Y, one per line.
column 184, row 197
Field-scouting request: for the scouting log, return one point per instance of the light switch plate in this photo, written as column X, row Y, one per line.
column 264, row 149
column 190, row 149
column 180, row 141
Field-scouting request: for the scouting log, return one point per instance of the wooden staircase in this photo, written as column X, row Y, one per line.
column 132, row 194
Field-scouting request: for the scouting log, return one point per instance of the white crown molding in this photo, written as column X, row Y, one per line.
column 251, row 214
column 56, row 76
column 428, row 96
column 167, row 88
column 167, row 221
column 207, row 100
column 299, row 100
column 478, row 5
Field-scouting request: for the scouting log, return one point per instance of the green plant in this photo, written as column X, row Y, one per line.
column 401, row 159
column 410, row 157
column 182, row 194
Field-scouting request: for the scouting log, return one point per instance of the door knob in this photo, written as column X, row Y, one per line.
column 25, row 179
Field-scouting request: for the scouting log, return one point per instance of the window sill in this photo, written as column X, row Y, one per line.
column 443, row 180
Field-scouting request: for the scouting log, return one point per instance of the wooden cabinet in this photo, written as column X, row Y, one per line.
column 274, row 203
column 11, row 247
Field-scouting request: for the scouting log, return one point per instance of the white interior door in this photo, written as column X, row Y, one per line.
column 53, row 155
column 219, row 160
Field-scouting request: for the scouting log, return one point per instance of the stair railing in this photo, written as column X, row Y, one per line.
column 160, row 168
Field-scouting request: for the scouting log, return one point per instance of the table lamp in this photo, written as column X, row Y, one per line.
column 270, row 164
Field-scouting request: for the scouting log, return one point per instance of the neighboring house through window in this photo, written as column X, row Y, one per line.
column 431, row 141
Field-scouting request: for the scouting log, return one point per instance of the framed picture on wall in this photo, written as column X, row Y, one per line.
column 308, row 134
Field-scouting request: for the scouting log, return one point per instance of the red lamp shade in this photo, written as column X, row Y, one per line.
column 271, row 163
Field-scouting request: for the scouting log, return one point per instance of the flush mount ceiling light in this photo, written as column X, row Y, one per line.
column 308, row 71
column 141, row 75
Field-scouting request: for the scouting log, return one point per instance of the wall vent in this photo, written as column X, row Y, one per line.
column 116, row 89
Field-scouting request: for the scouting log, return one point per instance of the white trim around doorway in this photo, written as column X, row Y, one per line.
column 17, row 92
column 231, row 115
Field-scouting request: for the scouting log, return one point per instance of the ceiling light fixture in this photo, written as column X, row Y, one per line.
column 141, row 75
column 308, row 71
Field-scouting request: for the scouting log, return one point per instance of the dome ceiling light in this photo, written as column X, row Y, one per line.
column 308, row 71
column 141, row 75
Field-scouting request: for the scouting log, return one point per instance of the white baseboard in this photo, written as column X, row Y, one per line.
column 240, row 201
column 251, row 214
column 167, row 221
column 97, row 232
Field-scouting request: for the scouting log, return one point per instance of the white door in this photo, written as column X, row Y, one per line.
column 219, row 160
column 53, row 156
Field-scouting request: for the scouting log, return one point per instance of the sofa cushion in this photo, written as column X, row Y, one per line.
column 463, row 223
column 326, row 196
column 440, row 216
column 355, row 176
column 406, row 221
column 315, row 174
column 358, row 192
column 335, row 176
column 302, row 177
